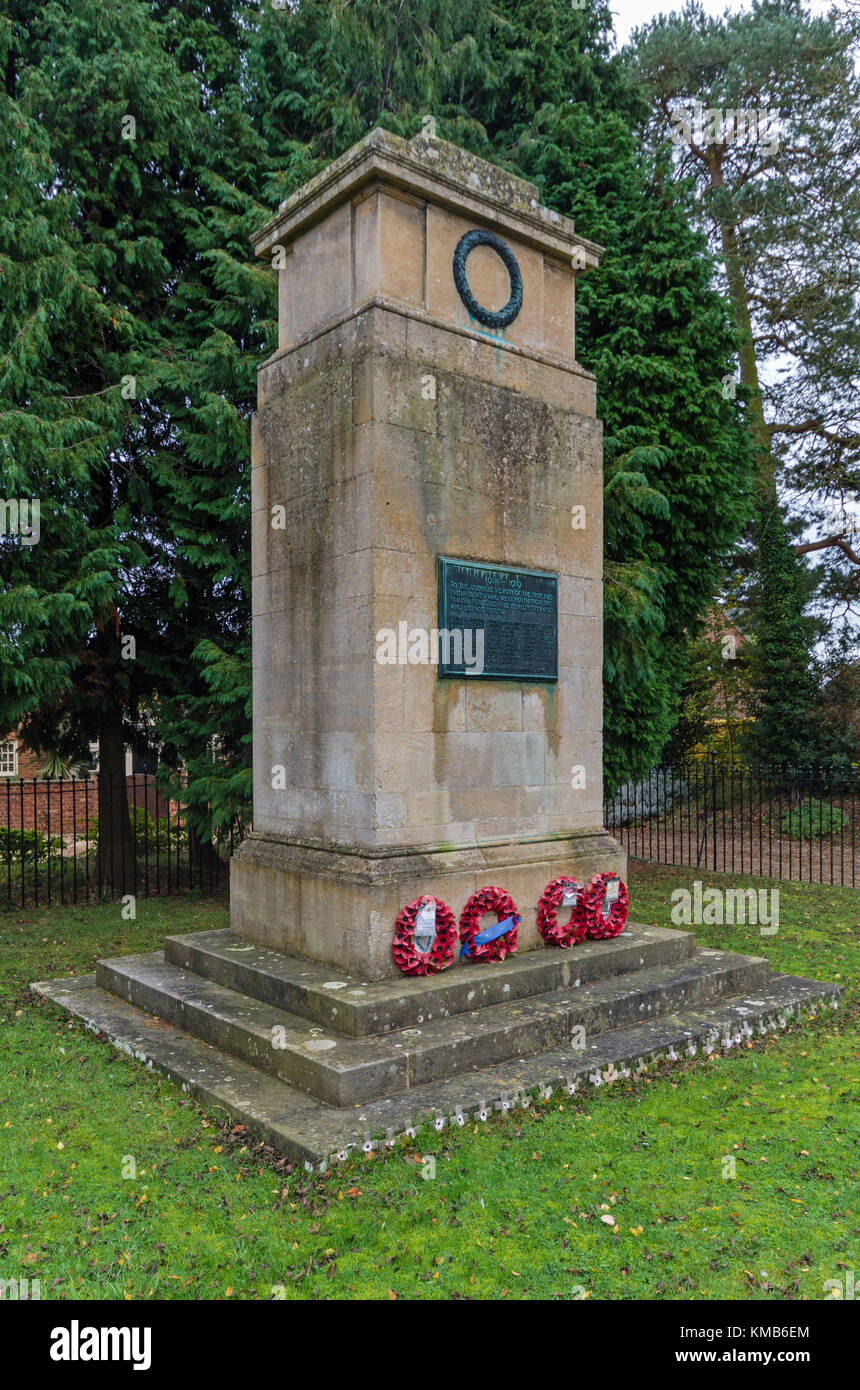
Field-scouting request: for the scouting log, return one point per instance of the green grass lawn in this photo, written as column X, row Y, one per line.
column 517, row 1207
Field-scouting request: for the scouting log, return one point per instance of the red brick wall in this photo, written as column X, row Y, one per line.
column 65, row 806
column 61, row 807
column 29, row 763
column 58, row 807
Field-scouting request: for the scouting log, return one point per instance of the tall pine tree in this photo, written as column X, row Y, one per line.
column 761, row 109
column 102, row 129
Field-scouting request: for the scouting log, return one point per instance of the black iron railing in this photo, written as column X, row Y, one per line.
column 787, row 822
column 63, row 842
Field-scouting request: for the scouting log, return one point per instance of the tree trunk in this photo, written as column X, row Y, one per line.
column 204, row 864
column 115, row 856
column 767, row 499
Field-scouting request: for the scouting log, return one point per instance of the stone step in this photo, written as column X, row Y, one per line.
column 305, row 1130
column 334, row 1000
column 343, row 1070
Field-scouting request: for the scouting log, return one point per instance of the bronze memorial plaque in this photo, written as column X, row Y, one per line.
column 497, row 622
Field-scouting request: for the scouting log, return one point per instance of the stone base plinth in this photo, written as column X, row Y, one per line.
column 339, row 906
column 317, row 1066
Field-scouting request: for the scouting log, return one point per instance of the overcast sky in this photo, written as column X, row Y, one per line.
column 629, row 14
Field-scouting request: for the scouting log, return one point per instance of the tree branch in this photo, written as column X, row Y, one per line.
column 829, row 543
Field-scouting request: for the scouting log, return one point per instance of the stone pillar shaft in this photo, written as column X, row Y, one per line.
column 394, row 428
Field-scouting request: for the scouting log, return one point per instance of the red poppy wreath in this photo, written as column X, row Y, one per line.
column 425, row 936
column 562, row 893
column 494, row 943
column 607, row 907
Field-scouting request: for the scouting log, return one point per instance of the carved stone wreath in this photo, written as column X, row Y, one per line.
column 491, row 318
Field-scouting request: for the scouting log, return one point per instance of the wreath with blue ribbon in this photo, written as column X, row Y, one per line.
column 493, row 943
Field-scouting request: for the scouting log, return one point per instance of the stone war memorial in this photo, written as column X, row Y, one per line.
column 428, row 921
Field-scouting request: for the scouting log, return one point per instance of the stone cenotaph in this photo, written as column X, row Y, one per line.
column 427, row 501
column 426, row 459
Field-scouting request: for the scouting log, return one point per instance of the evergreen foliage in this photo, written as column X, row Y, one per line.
column 134, row 317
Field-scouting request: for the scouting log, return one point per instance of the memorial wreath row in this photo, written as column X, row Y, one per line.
column 425, row 933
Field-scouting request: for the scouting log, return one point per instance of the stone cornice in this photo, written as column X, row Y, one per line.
column 441, row 173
